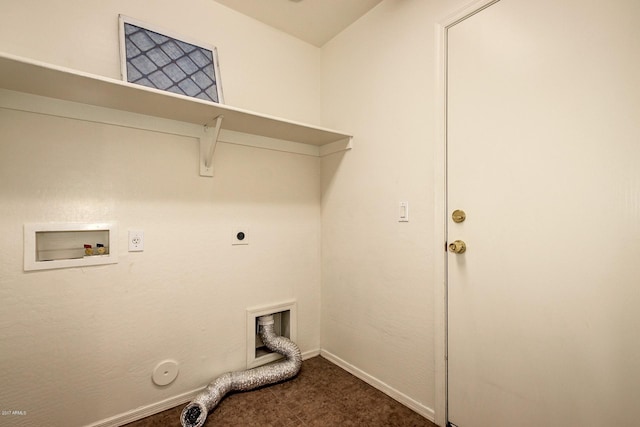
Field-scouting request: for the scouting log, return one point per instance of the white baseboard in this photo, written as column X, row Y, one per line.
column 172, row 402
column 416, row 406
column 310, row 353
column 145, row 411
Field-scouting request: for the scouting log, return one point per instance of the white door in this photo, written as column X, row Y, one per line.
column 543, row 155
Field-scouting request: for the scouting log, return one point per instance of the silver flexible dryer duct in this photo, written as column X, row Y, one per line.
column 195, row 413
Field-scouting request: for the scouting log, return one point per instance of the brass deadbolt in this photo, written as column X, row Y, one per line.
column 457, row 247
column 458, row 215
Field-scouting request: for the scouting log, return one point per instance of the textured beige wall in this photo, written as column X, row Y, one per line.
column 78, row 345
column 378, row 287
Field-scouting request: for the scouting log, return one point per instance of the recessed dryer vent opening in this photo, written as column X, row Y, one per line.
column 195, row 413
column 284, row 316
column 282, row 327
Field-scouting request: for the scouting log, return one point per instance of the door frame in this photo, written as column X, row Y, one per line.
column 440, row 204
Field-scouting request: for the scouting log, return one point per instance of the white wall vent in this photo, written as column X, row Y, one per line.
column 285, row 324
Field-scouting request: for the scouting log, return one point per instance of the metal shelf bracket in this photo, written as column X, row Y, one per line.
column 208, row 142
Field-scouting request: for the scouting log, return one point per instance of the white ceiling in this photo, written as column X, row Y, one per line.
column 314, row 21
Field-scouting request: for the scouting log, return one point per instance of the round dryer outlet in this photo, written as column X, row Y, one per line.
column 165, row 372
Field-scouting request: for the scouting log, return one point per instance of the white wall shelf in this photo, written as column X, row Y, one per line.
column 51, row 81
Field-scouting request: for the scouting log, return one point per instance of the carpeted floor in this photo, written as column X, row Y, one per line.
column 321, row 395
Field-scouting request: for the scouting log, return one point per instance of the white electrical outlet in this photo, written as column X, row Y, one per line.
column 136, row 240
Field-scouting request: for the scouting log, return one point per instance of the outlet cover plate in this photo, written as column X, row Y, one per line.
column 136, row 240
column 240, row 235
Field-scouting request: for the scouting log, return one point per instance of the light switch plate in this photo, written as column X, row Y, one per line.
column 403, row 212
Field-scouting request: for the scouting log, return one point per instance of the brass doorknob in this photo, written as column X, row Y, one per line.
column 457, row 247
